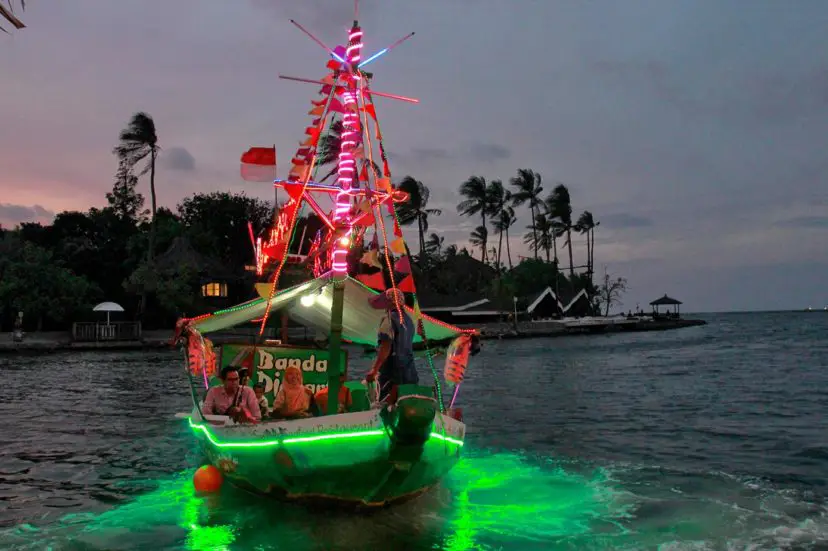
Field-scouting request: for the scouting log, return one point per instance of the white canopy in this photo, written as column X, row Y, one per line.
column 108, row 307
column 310, row 304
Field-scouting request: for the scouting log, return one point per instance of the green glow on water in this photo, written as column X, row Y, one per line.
column 488, row 502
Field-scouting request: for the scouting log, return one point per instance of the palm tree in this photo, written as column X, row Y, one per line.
column 475, row 192
column 7, row 14
column 499, row 198
column 434, row 245
column 139, row 141
column 327, row 150
column 478, row 238
column 586, row 225
column 415, row 209
column 529, row 188
column 505, row 220
column 559, row 206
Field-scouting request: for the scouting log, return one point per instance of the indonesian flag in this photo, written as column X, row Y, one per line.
column 258, row 164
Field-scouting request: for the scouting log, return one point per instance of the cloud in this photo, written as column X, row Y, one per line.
column 426, row 154
column 12, row 215
column 622, row 220
column 805, row 222
column 177, row 158
column 489, row 152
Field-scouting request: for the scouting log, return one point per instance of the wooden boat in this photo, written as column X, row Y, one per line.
column 376, row 453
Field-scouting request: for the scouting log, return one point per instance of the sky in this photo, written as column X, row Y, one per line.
column 695, row 131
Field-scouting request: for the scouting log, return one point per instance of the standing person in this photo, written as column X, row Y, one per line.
column 395, row 345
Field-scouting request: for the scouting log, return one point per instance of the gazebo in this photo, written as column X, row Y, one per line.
column 666, row 301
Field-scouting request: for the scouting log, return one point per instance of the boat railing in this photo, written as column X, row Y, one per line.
column 90, row 331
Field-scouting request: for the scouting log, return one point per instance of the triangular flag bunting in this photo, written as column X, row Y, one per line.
column 374, row 281
column 365, row 205
column 398, row 246
column 335, row 106
column 318, row 110
column 371, row 111
column 294, row 190
column 403, row 265
column 384, row 184
column 385, row 170
column 363, row 175
column 366, row 220
column 397, row 231
column 406, row 285
column 370, row 258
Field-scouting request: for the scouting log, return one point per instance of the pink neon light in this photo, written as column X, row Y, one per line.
column 346, row 168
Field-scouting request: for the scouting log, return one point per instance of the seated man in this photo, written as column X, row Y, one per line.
column 321, row 398
column 231, row 399
column 293, row 399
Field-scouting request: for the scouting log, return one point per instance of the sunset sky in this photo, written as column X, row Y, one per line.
column 695, row 131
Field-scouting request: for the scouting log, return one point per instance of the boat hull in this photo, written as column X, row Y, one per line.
column 350, row 459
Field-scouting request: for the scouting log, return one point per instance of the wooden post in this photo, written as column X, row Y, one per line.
column 334, row 345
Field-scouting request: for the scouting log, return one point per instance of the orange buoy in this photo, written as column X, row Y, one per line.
column 207, row 479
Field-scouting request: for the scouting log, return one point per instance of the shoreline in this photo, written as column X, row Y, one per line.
column 60, row 341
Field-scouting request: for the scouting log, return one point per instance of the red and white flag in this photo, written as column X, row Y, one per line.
column 258, row 164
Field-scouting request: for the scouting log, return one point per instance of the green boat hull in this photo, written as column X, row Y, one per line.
column 352, row 458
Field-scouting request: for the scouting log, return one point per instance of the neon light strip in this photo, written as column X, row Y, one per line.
column 385, row 50
column 301, row 439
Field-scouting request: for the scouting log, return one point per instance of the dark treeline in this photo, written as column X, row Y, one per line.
column 157, row 262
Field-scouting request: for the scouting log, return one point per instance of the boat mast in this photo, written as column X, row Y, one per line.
column 348, row 178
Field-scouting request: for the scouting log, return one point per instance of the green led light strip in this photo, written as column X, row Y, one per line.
column 299, row 439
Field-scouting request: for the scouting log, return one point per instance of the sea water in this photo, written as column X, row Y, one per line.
column 709, row 437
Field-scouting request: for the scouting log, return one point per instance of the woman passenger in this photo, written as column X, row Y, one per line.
column 293, row 399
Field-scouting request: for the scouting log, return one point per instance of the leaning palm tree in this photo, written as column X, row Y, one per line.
column 476, row 201
column 139, row 142
column 559, row 205
column 529, row 188
column 7, row 14
column 415, row 209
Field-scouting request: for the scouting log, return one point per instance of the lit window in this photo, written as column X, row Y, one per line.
column 214, row 289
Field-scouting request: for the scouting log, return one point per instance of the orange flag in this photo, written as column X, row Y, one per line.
column 398, row 246
column 383, row 184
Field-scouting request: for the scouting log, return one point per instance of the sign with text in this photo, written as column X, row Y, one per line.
column 268, row 364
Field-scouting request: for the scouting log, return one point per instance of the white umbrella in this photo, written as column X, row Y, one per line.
column 108, row 307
